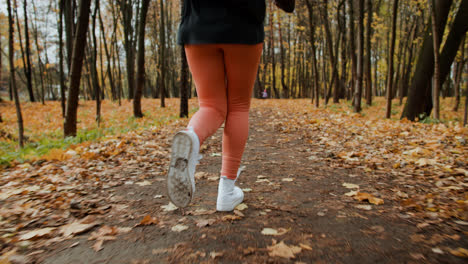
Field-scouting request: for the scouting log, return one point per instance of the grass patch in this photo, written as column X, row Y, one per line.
column 44, row 131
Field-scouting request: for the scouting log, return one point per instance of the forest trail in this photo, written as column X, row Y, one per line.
column 299, row 206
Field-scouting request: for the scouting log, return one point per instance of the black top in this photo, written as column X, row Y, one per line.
column 222, row 21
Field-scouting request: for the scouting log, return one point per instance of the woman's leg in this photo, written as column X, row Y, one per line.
column 241, row 70
column 206, row 63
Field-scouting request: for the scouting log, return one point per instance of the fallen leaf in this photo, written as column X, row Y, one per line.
column 350, row 186
column 305, row 246
column 417, row 256
column 215, row 254
column 460, row 252
column 287, row 179
column 461, row 222
column 274, row 232
column 262, row 180
column 417, row 238
column 369, row 197
column 38, row 233
column 202, row 211
column 364, row 207
column 247, row 190
column 351, row 193
column 169, row 207
column 284, row 251
column 238, row 213
column 108, row 232
column 205, row 222
column 437, row 250
column 148, row 220
column 423, row 162
column 179, row 228
column 98, row 245
column 75, row 228
column 241, row 207
column 159, row 251
column 143, row 183
column 231, row 217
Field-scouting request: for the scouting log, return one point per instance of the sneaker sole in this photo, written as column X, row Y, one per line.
column 179, row 184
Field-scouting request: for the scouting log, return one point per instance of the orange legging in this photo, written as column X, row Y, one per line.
column 224, row 76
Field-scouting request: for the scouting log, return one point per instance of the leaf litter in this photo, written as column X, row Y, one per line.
column 428, row 176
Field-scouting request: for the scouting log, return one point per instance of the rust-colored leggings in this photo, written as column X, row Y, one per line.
column 224, row 75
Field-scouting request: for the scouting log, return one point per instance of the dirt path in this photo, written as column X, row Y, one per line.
column 292, row 184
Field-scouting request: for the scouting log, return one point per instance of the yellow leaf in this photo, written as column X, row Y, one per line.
column 460, row 252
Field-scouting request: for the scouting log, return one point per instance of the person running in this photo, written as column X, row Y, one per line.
column 264, row 94
column 223, row 41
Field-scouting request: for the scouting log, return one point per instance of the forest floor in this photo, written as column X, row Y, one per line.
column 321, row 186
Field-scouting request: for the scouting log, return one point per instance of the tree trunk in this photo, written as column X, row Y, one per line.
column 436, row 44
column 11, row 52
column 368, row 67
column 458, row 75
column 314, row 58
column 285, row 88
column 360, row 58
column 140, row 60
column 183, row 77
column 465, row 116
column 61, row 70
column 23, row 53
column 334, row 80
column 28, row 68
column 126, row 7
column 69, row 8
column 162, row 32
column 93, row 66
column 390, row 61
column 106, row 49
column 419, row 100
column 352, row 41
column 184, row 85
column 39, row 60
column 76, row 68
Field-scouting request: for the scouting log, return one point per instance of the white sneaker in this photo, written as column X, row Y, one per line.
column 229, row 195
column 184, row 160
